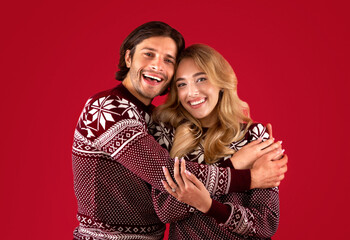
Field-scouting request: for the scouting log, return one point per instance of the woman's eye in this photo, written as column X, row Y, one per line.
column 181, row 85
column 201, row 79
column 148, row 54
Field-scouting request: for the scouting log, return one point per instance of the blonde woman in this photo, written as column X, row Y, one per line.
column 204, row 120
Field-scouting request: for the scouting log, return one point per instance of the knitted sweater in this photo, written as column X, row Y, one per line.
column 252, row 214
column 116, row 162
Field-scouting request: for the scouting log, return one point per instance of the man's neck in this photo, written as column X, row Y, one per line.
column 128, row 85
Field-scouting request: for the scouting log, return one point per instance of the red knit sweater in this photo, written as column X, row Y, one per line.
column 116, row 162
column 252, row 214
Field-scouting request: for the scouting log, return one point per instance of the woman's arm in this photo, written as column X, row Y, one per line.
column 258, row 217
column 170, row 209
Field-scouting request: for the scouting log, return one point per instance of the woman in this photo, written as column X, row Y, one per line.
column 211, row 126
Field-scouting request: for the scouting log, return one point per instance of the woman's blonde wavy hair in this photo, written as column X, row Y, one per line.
column 231, row 112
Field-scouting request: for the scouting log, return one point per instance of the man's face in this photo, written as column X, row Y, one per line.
column 151, row 68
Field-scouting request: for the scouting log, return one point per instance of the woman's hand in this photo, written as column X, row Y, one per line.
column 247, row 155
column 187, row 188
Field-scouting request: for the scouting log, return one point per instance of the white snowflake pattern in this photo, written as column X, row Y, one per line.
column 164, row 135
column 130, row 108
column 197, row 155
column 259, row 131
column 100, row 111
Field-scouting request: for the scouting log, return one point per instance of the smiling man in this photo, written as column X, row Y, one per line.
column 116, row 162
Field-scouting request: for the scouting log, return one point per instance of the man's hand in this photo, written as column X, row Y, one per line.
column 268, row 172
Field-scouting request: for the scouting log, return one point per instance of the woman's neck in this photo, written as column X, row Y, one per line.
column 209, row 120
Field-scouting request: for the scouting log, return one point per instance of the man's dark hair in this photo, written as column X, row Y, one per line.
column 147, row 30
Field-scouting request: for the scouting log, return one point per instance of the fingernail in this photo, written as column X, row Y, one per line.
column 188, row 173
column 283, row 150
column 176, row 159
column 163, row 169
column 280, row 142
column 182, row 159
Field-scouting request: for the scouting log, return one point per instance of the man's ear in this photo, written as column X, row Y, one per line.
column 127, row 58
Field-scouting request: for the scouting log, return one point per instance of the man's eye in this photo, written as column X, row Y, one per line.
column 148, row 54
column 169, row 61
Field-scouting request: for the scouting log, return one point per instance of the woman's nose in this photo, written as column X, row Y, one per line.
column 193, row 90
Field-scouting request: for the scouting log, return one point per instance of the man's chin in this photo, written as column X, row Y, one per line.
column 149, row 95
column 152, row 93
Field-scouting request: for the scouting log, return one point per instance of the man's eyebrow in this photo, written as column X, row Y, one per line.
column 171, row 56
column 149, row 48
column 154, row 50
column 194, row 75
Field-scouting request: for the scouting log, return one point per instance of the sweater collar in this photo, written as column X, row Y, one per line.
column 124, row 92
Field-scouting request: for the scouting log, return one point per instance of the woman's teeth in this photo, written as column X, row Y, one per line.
column 197, row 102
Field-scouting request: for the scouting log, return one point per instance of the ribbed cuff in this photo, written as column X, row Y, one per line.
column 219, row 211
column 240, row 180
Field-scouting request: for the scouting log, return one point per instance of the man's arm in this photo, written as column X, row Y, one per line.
column 130, row 144
column 117, row 128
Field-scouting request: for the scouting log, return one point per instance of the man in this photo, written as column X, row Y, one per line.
column 116, row 161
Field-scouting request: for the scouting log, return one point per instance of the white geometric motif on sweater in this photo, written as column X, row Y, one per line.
column 163, row 135
column 241, row 220
column 113, row 139
column 96, row 114
column 257, row 131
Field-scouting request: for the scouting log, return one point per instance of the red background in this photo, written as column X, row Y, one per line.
column 291, row 59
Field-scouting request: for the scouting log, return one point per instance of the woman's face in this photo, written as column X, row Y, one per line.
column 196, row 93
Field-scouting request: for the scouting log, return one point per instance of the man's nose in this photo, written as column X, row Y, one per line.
column 157, row 64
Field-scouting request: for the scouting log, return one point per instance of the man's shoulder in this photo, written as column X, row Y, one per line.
column 111, row 100
column 109, row 93
column 106, row 109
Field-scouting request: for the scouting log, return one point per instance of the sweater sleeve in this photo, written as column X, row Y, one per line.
column 129, row 143
column 118, row 129
column 259, row 217
column 168, row 208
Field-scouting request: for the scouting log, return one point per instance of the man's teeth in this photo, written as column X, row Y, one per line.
column 152, row 77
column 197, row 102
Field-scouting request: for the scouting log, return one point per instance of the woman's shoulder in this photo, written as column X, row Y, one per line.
column 254, row 131
column 163, row 133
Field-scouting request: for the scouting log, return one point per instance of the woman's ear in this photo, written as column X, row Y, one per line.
column 221, row 93
column 127, row 58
